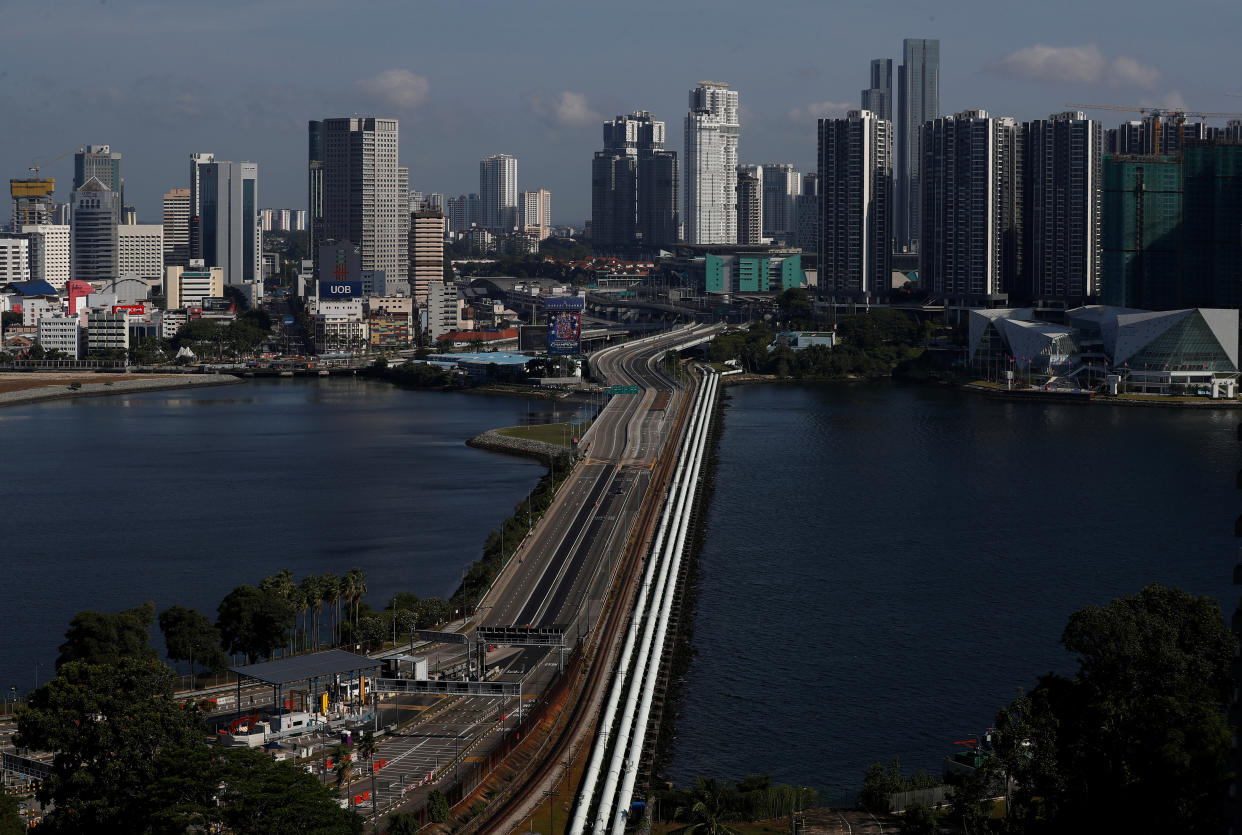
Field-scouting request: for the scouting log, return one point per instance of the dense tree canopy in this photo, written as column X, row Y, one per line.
column 254, row 621
column 1136, row 740
column 189, row 635
column 104, row 637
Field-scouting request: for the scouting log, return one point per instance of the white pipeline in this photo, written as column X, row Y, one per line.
column 586, row 790
column 644, row 710
column 676, row 501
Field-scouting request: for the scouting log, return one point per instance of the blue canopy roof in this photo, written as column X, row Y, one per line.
column 38, row 287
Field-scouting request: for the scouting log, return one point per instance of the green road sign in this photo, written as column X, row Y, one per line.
column 621, row 390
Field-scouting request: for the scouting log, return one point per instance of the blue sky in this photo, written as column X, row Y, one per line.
column 160, row 80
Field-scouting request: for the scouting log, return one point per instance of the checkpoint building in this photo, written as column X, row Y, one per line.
column 1194, row 349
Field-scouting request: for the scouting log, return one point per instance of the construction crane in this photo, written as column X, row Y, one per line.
column 1178, row 114
column 34, row 166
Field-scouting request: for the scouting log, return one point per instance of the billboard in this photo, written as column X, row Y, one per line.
column 564, row 324
column 217, row 304
column 340, row 289
column 131, row 309
column 564, row 332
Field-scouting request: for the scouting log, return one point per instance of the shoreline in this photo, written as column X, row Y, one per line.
column 41, row 394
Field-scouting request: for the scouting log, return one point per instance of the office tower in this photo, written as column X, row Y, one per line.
column 416, row 201
column 230, row 235
column 197, row 161
column 918, row 102
column 96, row 216
column 188, row 286
column 855, row 205
column 32, row 201
column 781, row 186
column 442, row 308
column 129, row 215
column 140, row 251
column 14, row 257
column 177, row 227
column 49, row 253
column 1233, row 131
column 1062, row 186
column 365, row 192
column 1211, row 262
column 426, row 252
column 435, row 201
column 711, row 165
column 806, row 210
column 535, row 215
column 498, row 193
column 100, row 163
column 634, row 184
column 314, row 185
column 972, row 207
column 878, row 98
column 749, row 204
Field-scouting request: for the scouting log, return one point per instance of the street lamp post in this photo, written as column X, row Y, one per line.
column 550, row 794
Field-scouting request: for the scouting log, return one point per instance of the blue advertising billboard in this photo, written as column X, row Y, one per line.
column 340, row 289
column 564, row 333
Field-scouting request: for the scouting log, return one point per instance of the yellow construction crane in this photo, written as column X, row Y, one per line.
column 34, row 166
column 1178, row 114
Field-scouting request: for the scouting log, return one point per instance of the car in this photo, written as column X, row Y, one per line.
column 491, row 647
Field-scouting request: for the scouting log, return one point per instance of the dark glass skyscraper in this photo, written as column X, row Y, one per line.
column 918, row 102
column 878, row 98
column 634, row 185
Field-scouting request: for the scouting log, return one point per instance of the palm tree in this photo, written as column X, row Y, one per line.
column 309, row 589
column 710, row 812
column 329, row 590
column 355, row 587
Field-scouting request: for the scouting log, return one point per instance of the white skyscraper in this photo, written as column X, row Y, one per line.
column 365, row 198
column 498, row 193
column 856, row 187
column 177, row 226
column 140, row 251
column 49, row 256
column 14, row 259
column 710, row 165
column 536, row 212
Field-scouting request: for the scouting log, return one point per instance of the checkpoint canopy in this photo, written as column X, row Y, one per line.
column 305, row 667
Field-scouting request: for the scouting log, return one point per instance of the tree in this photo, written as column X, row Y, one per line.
column 1137, row 739
column 253, row 622
column 403, row 823
column 105, row 638
column 710, row 810
column 330, row 594
column 189, row 635
column 113, row 728
column 355, row 588
column 879, row 782
column 11, row 822
column 919, row 820
column 264, row 797
column 437, row 806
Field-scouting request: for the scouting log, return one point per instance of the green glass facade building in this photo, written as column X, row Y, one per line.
column 1141, row 213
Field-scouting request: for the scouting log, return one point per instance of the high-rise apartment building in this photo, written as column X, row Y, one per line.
column 96, row 216
column 806, row 209
column 230, row 234
column 972, row 207
column 712, row 132
column 33, row 204
column 782, row 183
column 365, row 191
column 49, row 253
column 1062, row 189
column 14, row 258
column 177, row 227
column 1212, row 224
column 426, row 252
column 634, row 185
column 855, row 205
column 498, row 193
column 878, row 98
column 1141, row 231
column 918, row 102
column 749, row 205
column 140, row 251
column 462, row 212
column 535, row 212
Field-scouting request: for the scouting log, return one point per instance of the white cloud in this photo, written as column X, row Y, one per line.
column 1084, row 64
column 572, row 109
column 820, row 110
column 399, row 89
column 1054, row 63
column 1130, row 72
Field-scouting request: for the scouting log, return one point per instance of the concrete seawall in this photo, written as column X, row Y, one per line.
column 493, row 441
column 57, row 391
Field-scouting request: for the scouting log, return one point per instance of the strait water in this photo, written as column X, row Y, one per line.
column 886, row 566
column 180, row 496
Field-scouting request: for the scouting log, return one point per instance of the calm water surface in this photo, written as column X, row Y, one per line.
column 180, row 496
column 886, row 566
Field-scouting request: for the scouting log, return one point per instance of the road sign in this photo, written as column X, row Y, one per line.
column 621, row 390
column 441, row 637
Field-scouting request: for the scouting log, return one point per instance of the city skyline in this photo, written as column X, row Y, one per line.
column 552, row 113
